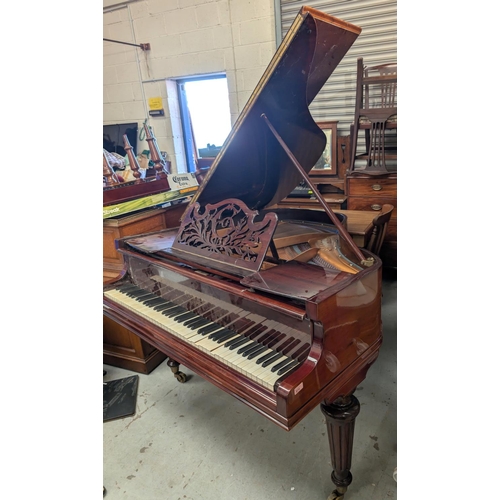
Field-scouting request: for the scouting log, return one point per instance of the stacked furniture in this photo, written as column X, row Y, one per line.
column 371, row 180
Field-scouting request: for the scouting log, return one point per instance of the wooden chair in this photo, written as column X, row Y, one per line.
column 375, row 114
column 380, row 223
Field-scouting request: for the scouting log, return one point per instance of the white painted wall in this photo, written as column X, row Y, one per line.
column 188, row 38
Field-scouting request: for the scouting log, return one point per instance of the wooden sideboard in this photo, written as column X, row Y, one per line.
column 369, row 192
column 121, row 347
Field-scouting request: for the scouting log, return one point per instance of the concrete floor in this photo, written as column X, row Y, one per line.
column 193, row 441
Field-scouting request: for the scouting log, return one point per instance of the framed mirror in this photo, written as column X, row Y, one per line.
column 327, row 163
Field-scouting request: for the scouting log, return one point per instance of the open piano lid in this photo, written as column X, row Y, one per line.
column 252, row 166
column 222, row 226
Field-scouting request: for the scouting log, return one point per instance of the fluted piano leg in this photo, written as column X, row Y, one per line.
column 340, row 416
column 174, row 366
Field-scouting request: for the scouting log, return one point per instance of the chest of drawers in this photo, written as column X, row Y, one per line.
column 367, row 192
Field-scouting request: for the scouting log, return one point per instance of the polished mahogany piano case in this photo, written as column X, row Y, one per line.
column 278, row 308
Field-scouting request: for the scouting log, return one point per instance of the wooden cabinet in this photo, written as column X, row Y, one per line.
column 368, row 192
column 121, row 347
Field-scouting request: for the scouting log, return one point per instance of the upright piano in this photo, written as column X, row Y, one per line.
column 278, row 308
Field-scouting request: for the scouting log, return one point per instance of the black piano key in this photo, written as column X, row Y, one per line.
column 186, row 315
column 196, row 323
column 291, row 347
column 233, row 341
column 162, row 307
column 227, row 336
column 303, row 348
column 251, row 348
column 271, row 360
column 273, row 334
column 288, row 367
column 276, row 340
column 266, row 357
column 173, row 311
column 275, row 368
column 253, row 330
column 124, row 288
column 219, row 333
column 286, row 343
column 238, row 343
column 142, row 298
column 303, row 356
column 154, row 302
column 247, row 347
column 137, row 293
column 256, row 352
column 209, row 329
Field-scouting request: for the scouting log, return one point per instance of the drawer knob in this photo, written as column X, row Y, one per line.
column 376, row 207
column 377, row 187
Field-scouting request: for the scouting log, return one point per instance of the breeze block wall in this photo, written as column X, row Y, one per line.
column 187, row 38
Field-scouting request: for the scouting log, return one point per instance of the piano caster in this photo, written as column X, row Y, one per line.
column 337, row 494
column 340, row 416
column 174, row 366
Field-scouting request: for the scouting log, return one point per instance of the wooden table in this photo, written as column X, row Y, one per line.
column 359, row 224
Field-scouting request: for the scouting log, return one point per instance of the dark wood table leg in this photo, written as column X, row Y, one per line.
column 340, row 416
column 174, row 366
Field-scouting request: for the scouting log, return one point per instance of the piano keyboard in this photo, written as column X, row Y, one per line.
column 261, row 349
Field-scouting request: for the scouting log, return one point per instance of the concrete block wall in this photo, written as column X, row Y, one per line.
column 187, row 38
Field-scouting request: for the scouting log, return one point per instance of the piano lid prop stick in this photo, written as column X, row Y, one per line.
column 366, row 262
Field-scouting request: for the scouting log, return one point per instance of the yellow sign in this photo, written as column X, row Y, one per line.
column 155, row 103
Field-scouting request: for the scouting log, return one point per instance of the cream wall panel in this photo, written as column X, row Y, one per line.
column 206, row 16
column 247, row 55
column 127, row 72
column 157, row 6
column 113, row 112
column 109, row 75
column 132, row 110
column 222, row 37
column 256, row 31
column 151, row 26
column 121, row 92
column 180, row 21
column 186, row 3
column 197, row 41
column 223, row 10
column 165, row 46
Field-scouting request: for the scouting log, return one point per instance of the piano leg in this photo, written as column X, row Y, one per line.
column 340, row 416
column 174, row 366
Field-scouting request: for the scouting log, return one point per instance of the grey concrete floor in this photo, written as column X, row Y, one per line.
column 193, row 441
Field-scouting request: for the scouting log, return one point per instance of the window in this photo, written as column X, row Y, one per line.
column 205, row 115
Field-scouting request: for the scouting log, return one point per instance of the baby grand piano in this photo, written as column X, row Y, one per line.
column 278, row 308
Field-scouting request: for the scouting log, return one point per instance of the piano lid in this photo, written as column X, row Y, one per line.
column 252, row 166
